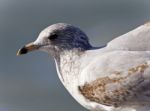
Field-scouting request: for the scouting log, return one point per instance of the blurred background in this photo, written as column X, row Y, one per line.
column 30, row 82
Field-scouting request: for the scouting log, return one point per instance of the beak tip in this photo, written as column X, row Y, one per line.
column 18, row 53
column 27, row 48
column 22, row 51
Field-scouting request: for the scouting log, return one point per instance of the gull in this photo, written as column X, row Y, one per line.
column 115, row 77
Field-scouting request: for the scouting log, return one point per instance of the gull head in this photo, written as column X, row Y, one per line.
column 58, row 38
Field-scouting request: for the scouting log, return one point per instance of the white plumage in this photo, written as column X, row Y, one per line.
column 113, row 78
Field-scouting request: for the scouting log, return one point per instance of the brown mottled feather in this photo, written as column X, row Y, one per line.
column 124, row 87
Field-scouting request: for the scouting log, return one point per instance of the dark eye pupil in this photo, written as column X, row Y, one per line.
column 53, row 37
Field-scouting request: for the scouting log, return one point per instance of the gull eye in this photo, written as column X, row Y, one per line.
column 53, row 37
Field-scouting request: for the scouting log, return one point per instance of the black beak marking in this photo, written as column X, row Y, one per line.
column 23, row 50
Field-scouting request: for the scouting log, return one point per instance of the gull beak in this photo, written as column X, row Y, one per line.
column 27, row 48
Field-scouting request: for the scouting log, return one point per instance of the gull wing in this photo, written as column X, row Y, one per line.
column 122, row 78
column 135, row 40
